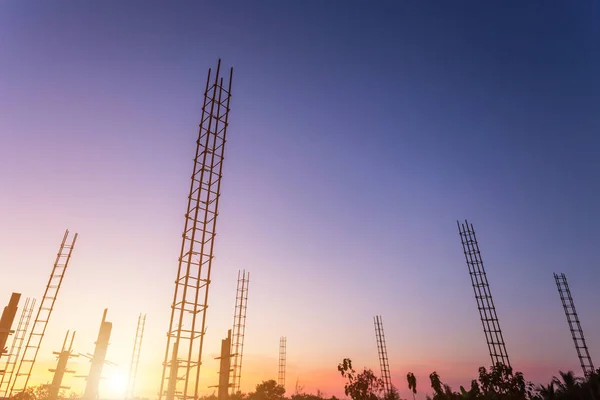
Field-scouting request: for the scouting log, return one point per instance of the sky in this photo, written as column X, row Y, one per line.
column 358, row 135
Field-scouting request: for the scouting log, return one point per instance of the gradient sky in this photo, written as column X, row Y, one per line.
column 359, row 134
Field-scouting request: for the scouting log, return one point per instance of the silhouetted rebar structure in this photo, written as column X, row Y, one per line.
column 239, row 329
column 185, row 337
column 43, row 315
column 282, row 356
column 574, row 326
column 483, row 295
column 16, row 346
column 135, row 357
column 61, row 367
column 6, row 320
column 383, row 357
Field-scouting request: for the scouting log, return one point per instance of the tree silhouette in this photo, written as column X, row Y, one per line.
column 500, row 382
column 496, row 383
column 27, row 394
column 568, row 382
column 412, row 383
column 547, row 392
column 267, row 390
column 363, row 386
column 393, row 394
column 473, row 393
column 40, row 392
column 237, row 396
column 436, row 384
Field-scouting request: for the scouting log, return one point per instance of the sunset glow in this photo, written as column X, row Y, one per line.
column 358, row 135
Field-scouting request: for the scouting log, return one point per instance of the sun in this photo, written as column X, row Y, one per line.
column 116, row 382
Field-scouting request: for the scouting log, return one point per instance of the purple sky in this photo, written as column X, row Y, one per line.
column 358, row 136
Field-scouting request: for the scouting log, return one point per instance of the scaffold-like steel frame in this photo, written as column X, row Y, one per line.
column 43, row 314
column 135, row 356
column 483, row 295
column 383, row 357
column 16, row 346
column 62, row 357
column 574, row 325
column 282, row 360
column 185, row 337
column 239, row 329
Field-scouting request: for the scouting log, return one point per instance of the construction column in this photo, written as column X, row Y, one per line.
column 225, row 367
column 8, row 316
column 98, row 359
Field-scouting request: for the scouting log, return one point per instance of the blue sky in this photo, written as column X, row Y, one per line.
column 359, row 135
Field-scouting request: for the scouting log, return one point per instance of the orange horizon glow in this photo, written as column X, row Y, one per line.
column 309, row 380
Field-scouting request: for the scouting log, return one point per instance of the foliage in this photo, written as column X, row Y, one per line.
column 412, row 383
column 568, row 386
column 307, row 396
column 547, row 392
column 270, row 390
column 393, row 394
column 40, row 392
column 27, row 394
column 267, row 390
column 211, row 396
column 363, row 386
column 473, row 393
column 498, row 383
column 567, row 383
column 238, row 396
column 436, row 384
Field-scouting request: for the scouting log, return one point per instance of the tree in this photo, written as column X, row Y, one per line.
column 500, row 382
column 27, row 394
column 568, row 382
column 497, row 383
column 412, row 383
column 393, row 394
column 363, row 386
column 238, row 396
column 436, row 385
column 443, row 391
column 299, row 389
column 473, row 393
column 211, row 396
column 267, row 390
column 39, row 392
column 547, row 392
column 593, row 381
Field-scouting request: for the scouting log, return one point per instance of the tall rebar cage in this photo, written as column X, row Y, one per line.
column 574, row 325
column 383, row 356
column 483, row 295
column 239, row 329
column 36, row 335
column 16, row 346
column 282, row 361
column 135, row 356
column 187, row 326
